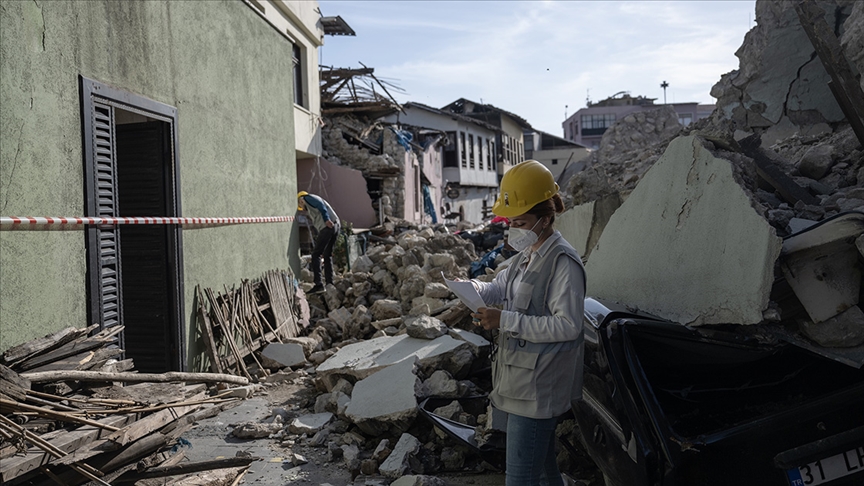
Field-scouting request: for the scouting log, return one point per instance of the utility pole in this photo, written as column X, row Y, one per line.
column 664, row 85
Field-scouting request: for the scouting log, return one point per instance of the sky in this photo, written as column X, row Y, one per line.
column 541, row 59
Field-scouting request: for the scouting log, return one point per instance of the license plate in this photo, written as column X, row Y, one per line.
column 828, row 469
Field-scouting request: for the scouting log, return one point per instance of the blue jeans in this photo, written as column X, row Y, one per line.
column 531, row 452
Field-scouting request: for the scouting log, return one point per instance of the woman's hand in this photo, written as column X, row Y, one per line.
column 487, row 318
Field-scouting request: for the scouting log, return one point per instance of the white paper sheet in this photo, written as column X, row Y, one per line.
column 466, row 292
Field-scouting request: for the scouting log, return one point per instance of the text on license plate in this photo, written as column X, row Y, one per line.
column 828, row 469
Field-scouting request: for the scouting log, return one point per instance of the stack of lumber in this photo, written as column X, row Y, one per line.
column 65, row 418
column 238, row 322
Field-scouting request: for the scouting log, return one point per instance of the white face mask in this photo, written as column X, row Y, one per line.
column 521, row 239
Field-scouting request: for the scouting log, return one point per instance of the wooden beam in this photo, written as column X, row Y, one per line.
column 59, row 338
column 61, row 439
column 170, row 377
column 186, row 468
column 843, row 84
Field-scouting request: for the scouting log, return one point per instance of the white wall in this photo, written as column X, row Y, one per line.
column 299, row 22
column 546, row 157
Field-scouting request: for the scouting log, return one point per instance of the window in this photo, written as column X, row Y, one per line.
column 488, row 154
column 596, row 124
column 554, row 161
column 685, row 118
column 450, row 151
column 471, row 151
column 462, row 150
column 298, row 75
column 492, row 157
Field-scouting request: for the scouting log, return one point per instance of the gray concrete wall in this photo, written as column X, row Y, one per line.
column 229, row 75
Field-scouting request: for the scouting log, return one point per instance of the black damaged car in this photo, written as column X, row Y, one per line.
column 666, row 405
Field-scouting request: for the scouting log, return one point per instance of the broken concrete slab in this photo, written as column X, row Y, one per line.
column 425, row 327
column 820, row 265
column 397, row 464
column 310, row 424
column 687, row 244
column 399, row 384
column 845, row 330
column 476, row 341
column 582, row 225
column 283, row 355
column 364, row 358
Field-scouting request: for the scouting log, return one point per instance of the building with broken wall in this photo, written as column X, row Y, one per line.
column 510, row 141
column 468, row 175
column 159, row 86
column 556, row 153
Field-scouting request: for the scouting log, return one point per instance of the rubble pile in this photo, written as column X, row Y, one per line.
column 356, row 142
column 628, row 149
column 65, row 419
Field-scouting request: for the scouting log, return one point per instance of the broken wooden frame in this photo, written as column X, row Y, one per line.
column 244, row 320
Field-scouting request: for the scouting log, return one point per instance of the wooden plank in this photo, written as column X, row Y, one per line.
column 152, row 422
column 169, row 377
column 14, row 378
column 61, row 439
column 844, row 86
column 65, row 351
column 770, row 173
column 186, row 468
column 59, row 338
column 68, row 363
column 207, row 331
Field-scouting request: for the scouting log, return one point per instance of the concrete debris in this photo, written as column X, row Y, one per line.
column 310, row 424
column 375, row 416
column 419, row 481
column 283, row 355
column 704, row 255
column 425, row 327
column 844, row 330
column 440, row 384
column 397, row 463
column 364, row 358
column 251, row 430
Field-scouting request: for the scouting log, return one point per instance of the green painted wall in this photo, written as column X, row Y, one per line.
column 226, row 71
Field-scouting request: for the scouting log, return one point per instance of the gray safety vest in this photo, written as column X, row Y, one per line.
column 537, row 380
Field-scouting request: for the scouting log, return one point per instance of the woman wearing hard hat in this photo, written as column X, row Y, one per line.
column 537, row 367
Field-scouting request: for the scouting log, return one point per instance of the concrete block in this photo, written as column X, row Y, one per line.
column 440, row 384
column 687, row 244
column 310, row 424
column 436, row 290
column 386, row 309
column 394, row 322
column 374, row 416
column 362, row 264
column 425, row 327
column 396, row 464
column 284, row 354
column 366, row 357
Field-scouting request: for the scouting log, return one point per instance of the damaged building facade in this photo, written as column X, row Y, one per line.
column 469, row 174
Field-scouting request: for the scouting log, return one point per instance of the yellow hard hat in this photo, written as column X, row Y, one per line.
column 523, row 186
column 302, row 193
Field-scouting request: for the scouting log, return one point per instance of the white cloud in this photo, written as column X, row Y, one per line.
column 533, row 58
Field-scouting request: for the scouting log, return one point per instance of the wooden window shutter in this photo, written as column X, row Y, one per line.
column 107, row 237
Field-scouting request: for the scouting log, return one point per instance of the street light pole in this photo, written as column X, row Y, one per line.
column 664, row 85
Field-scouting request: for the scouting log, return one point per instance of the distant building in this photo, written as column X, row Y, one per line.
column 554, row 152
column 510, row 140
column 586, row 126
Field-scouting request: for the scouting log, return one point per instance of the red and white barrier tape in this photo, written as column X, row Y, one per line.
column 48, row 223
